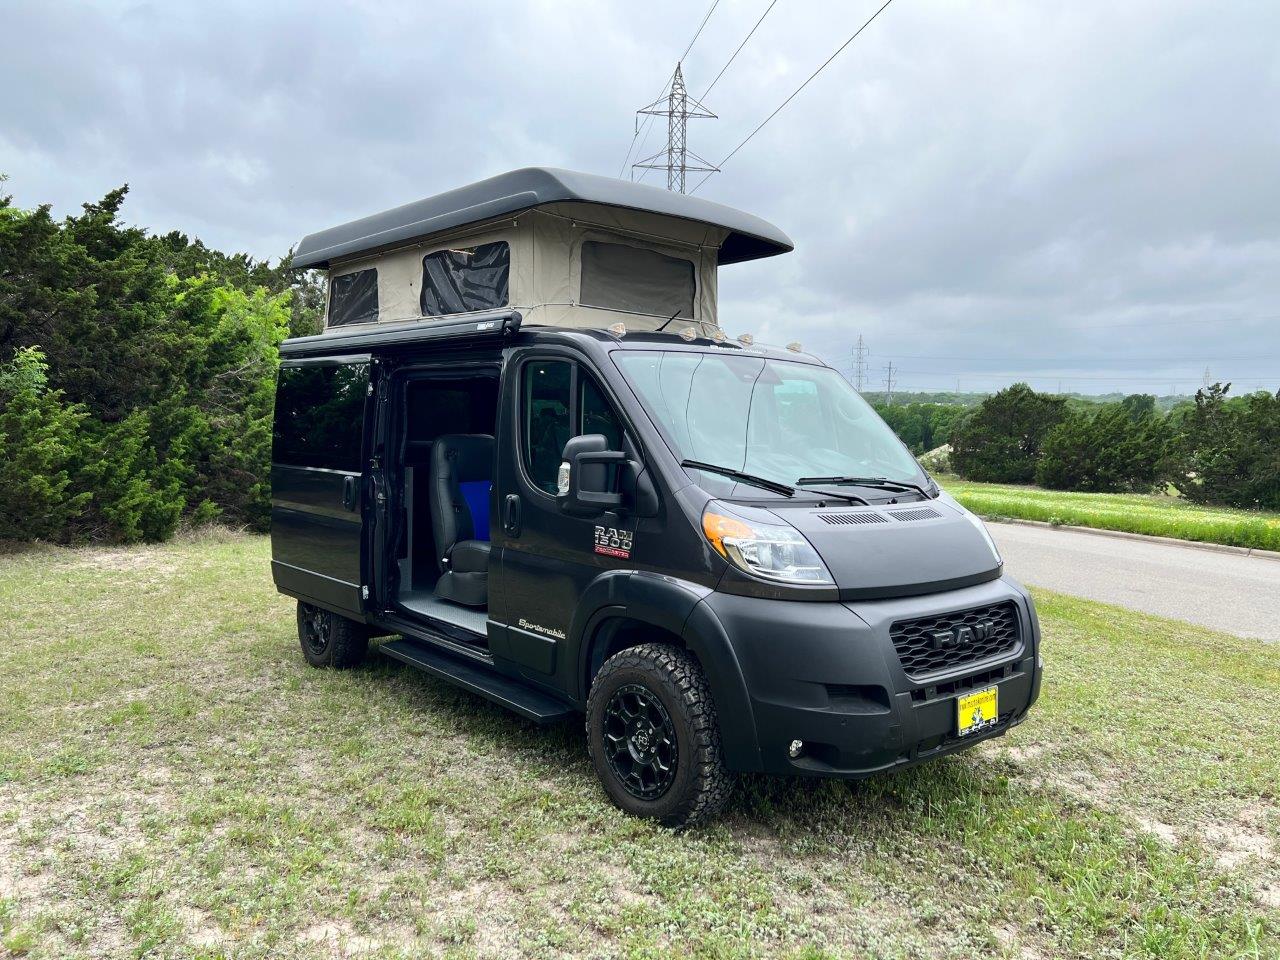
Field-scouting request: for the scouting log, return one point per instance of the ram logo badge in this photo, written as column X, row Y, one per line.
column 963, row 635
column 612, row 542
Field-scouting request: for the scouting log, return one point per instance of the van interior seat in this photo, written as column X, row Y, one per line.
column 461, row 484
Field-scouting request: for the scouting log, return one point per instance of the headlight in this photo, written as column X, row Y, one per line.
column 775, row 551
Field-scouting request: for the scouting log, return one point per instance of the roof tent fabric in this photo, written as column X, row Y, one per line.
column 635, row 280
column 353, row 298
column 461, row 280
column 746, row 237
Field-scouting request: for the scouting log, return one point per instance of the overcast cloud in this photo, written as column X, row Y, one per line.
column 986, row 191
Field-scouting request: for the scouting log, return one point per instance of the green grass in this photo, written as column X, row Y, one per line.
column 174, row 781
column 1131, row 512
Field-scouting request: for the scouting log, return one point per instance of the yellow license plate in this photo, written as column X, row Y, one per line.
column 976, row 711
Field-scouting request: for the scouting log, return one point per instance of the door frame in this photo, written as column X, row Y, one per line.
column 390, row 435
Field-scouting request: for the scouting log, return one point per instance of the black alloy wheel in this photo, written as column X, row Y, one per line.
column 315, row 629
column 654, row 738
column 329, row 640
column 640, row 742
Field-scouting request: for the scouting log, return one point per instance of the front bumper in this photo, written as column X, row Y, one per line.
column 828, row 674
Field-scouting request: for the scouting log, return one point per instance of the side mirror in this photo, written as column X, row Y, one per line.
column 590, row 479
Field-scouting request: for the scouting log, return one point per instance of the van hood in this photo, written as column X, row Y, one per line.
column 898, row 550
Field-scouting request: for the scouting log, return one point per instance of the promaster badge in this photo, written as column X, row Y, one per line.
column 612, row 542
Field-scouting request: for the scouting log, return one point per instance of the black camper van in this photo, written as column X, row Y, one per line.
column 525, row 451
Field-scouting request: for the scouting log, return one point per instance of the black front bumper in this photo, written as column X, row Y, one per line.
column 827, row 674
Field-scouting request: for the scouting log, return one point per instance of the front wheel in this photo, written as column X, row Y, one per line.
column 653, row 736
column 329, row 640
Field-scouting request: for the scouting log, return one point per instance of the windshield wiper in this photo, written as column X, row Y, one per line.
column 771, row 485
column 883, row 483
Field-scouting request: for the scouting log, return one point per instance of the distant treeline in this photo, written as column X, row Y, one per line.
column 1213, row 449
column 901, row 398
column 137, row 376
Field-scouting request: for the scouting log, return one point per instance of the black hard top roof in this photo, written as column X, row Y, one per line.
column 749, row 238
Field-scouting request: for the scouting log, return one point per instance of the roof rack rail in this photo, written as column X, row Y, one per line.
column 475, row 326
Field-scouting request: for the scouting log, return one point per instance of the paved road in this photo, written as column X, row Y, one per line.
column 1228, row 592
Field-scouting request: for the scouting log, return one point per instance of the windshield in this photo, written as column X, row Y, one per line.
column 776, row 419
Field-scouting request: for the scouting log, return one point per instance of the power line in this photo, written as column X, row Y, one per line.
column 739, row 50
column 795, row 94
column 698, row 33
column 1053, row 376
column 1162, row 323
column 1095, row 359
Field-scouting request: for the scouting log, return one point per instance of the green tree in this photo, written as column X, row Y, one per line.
column 1000, row 440
column 40, row 451
column 166, row 352
column 1117, row 448
column 1227, row 451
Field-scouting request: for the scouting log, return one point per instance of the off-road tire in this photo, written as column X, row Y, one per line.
column 701, row 786
column 329, row 640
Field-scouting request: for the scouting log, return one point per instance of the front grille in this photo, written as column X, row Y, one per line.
column 949, row 640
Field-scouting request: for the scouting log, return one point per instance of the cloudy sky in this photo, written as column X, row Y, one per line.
column 1082, row 194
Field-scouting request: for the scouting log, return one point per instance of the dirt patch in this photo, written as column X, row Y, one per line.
column 1026, row 753
column 135, row 560
column 1159, row 829
column 201, row 930
column 1236, row 843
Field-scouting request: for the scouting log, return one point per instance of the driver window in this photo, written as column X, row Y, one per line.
column 549, row 417
column 596, row 416
column 547, row 396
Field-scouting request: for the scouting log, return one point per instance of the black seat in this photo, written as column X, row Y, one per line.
column 461, row 482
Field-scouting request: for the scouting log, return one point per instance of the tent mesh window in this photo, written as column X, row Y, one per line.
column 464, row 279
column 353, row 298
column 633, row 280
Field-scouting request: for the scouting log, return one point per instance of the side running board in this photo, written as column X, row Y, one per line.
column 512, row 694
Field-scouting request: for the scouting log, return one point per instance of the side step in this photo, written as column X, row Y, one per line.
column 512, row 694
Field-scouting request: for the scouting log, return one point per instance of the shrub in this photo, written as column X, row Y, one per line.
column 1227, row 451
column 1000, row 441
column 151, row 397
column 1116, row 449
column 40, row 450
column 937, row 460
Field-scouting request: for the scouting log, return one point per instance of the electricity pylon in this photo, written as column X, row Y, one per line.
column 678, row 107
column 860, row 354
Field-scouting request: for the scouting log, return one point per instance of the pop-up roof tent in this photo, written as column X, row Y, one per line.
column 563, row 248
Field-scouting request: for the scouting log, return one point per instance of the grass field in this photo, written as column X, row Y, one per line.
column 174, row 781
column 1134, row 513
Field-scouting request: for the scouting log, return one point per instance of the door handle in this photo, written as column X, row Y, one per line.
column 511, row 515
column 350, row 492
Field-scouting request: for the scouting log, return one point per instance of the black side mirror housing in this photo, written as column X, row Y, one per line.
column 591, row 476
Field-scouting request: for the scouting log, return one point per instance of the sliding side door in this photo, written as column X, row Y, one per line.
column 319, row 476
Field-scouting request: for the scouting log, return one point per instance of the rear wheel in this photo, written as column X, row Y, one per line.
column 329, row 640
column 653, row 736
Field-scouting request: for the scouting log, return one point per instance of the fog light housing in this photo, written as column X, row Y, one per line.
column 796, row 748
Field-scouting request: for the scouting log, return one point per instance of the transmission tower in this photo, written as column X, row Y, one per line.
column 860, row 353
column 678, row 107
column 888, row 384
